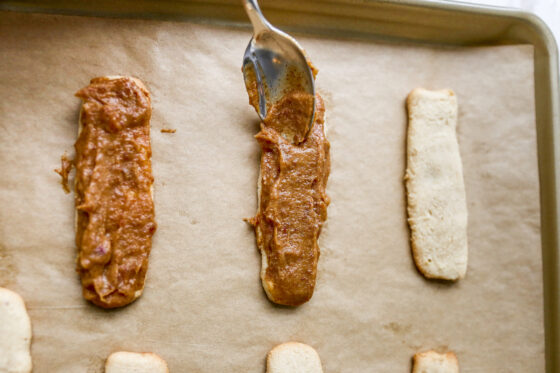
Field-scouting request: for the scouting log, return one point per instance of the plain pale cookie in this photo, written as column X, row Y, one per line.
column 15, row 334
column 293, row 357
column 437, row 207
column 134, row 362
column 432, row 362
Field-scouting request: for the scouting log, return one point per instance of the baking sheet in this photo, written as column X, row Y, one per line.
column 203, row 309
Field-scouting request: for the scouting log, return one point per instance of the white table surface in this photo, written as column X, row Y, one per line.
column 548, row 10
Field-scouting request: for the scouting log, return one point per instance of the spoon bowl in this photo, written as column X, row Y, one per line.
column 276, row 63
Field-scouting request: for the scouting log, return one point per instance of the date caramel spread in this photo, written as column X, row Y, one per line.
column 64, row 172
column 115, row 210
column 292, row 201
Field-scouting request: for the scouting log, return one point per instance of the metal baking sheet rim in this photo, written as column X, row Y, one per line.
column 417, row 21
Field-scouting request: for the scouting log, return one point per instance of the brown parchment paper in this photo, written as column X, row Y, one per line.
column 203, row 308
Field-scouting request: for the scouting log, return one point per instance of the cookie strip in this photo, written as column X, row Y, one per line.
column 15, row 334
column 134, row 362
column 115, row 210
column 293, row 357
column 433, row 362
column 437, row 208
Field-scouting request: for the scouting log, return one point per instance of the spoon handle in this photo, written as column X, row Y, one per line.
column 255, row 15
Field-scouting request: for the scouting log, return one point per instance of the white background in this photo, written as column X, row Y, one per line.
column 548, row 10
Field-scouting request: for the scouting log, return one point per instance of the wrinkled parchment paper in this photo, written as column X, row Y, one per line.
column 203, row 308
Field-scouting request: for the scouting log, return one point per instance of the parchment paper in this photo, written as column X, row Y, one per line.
column 203, row 308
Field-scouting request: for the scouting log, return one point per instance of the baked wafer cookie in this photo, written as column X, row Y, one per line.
column 433, row 362
column 135, row 362
column 293, row 357
column 292, row 199
column 15, row 334
column 113, row 190
column 437, row 208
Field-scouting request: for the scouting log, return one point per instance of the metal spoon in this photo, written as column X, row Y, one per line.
column 276, row 61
